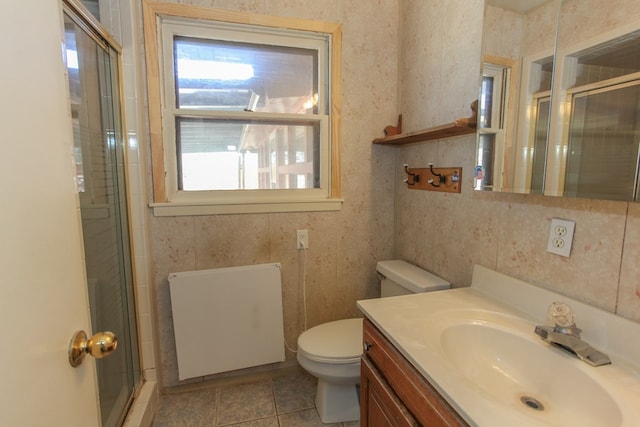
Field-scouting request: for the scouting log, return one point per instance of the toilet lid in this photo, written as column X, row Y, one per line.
column 333, row 342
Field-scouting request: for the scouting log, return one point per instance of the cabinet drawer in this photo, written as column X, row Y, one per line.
column 427, row 406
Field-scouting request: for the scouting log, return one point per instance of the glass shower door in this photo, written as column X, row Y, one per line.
column 94, row 91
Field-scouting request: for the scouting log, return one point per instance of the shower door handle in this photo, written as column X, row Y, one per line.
column 100, row 345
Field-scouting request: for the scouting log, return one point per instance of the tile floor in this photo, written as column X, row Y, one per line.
column 286, row 400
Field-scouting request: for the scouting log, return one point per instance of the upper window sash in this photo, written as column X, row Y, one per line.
column 221, row 31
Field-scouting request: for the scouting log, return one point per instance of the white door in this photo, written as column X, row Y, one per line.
column 43, row 296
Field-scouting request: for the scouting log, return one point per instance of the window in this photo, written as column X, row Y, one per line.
column 243, row 117
column 493, row 103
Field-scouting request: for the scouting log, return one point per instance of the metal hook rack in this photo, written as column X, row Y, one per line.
column 414, row 177
column 446, row 180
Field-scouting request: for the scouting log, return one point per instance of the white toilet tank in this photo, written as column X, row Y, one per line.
column 401, row 278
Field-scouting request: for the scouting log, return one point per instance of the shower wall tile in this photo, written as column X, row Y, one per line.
column 118, row 17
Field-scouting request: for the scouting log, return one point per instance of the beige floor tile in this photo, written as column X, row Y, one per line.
column 189, row 409
column 263, row 422
column 306, row 418
column 285, row 401
column 294, row 392
column 245, row 402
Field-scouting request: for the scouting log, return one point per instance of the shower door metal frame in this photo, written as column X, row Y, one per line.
column 92, row 27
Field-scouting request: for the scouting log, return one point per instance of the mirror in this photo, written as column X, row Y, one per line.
column 519, row 40
column 560, row 110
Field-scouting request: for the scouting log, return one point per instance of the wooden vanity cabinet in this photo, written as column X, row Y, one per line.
column 394, row 393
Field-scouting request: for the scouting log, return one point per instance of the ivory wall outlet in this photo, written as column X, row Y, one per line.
column 561, row 237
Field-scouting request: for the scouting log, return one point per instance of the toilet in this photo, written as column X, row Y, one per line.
column 331, row 351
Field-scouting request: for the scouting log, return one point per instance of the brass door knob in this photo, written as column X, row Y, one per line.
column 100, row 345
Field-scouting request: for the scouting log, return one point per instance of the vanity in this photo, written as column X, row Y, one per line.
column 471, row 357
column 393, row 392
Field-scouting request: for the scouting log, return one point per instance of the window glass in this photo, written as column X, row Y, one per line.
column 491, row 121
column 486, row 149
column 230, row 76
column 234, row 155
column 486, row 102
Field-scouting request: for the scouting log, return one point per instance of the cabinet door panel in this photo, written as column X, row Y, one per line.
column 419, row 397
column 380, row 406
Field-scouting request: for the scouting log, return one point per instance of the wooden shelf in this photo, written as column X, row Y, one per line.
column 445, row 131
column 394, row 135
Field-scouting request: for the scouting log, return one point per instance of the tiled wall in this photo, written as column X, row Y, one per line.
column 344, row 245
column 438, row 71
column 119, row 18
column 449, row 233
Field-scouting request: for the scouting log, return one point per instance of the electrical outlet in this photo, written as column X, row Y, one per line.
column 560, row 230
column 560, row 236
column 302, row 241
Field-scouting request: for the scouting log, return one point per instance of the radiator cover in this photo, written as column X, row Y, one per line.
column 227, row 318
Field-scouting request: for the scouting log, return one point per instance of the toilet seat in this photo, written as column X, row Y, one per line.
column 337, row 342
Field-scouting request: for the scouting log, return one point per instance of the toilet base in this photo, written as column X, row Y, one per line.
column 337, row 402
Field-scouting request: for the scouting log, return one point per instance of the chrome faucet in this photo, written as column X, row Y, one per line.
column 565, row 334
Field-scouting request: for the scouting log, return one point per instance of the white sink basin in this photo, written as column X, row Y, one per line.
column 478, row 348
column 517, row 371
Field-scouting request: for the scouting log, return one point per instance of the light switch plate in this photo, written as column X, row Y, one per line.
column 561, row 237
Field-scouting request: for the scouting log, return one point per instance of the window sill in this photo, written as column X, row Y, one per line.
column 193, row 209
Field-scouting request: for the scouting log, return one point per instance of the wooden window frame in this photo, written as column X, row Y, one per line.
column 153, row 13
